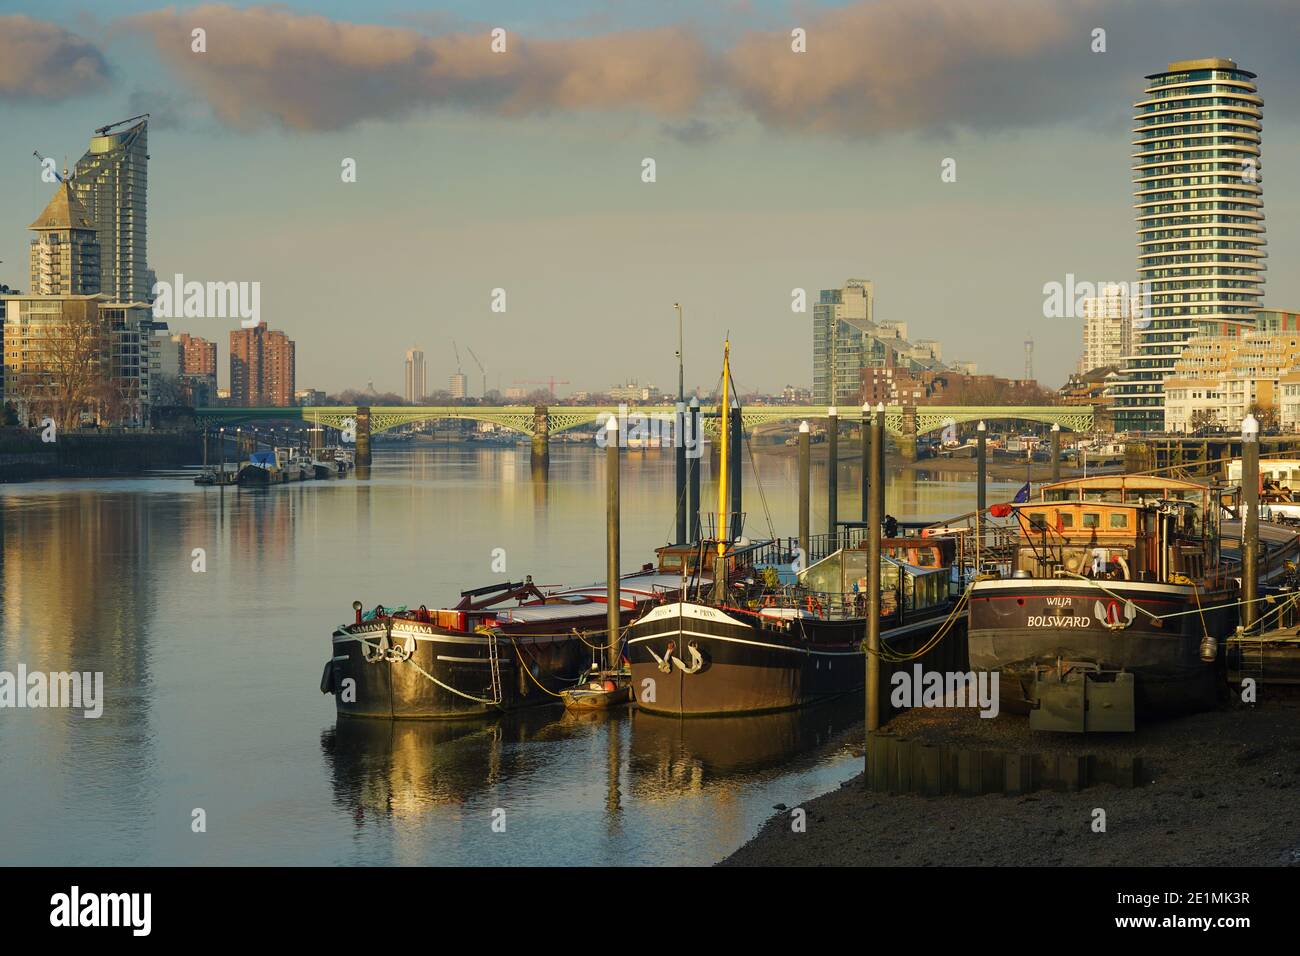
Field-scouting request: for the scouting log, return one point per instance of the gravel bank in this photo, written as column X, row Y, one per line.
column 1223, row 789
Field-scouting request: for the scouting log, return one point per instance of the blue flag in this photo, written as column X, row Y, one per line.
column 1022, row 495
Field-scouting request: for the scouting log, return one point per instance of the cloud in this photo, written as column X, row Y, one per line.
column 898, row 65
column 166, row 110
column 42, row 61
column 694, row 132
column 269, row 66
column 872, row 67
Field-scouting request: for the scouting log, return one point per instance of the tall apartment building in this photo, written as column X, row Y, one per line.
column 415, row 377
column 111, row 183
column 1200, row 221
column 1108, row 323
column 842, row 325
column 70, row 351
column 262, row 367
column 198, row 356
column 456, row 385
column 198, row 369
column 847, row 339
column 65, row 250
column 1220, row 378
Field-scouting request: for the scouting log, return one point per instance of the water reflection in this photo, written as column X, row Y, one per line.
column 211, row 677
column 671, row 757
column 384, row 772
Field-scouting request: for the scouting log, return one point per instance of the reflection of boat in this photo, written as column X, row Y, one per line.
column 669, row 755
column 404, row 767
column 1110, row 576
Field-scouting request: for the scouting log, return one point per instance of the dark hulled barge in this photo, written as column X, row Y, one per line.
column 1110, row 605
column 500, row 648
column 770, row 647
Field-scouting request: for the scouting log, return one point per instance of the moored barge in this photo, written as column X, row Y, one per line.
column 1111, row 605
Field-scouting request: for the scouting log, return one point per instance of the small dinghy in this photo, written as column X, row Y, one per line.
column 599, row 689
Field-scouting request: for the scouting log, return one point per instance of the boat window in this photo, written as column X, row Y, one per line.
column 1118, row 520
column 1067, row 519
column 1037, row 520
column 1092, row 520
column 670, row 562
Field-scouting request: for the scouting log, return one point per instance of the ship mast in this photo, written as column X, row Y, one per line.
column 720, row 562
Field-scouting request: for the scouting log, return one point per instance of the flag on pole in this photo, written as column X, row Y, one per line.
column 1022, row 495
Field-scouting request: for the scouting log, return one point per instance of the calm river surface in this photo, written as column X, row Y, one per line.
column 211, row 678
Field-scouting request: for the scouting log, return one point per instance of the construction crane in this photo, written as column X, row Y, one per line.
column 457, row 351
column 41, row 159
column 550, row 383
column 104, row 129
column 480, row 368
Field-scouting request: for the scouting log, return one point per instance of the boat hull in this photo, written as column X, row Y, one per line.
column 1017, row 625
column 745, row 664
column 429, row 672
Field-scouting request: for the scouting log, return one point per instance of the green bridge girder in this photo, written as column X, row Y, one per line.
column 525, row 419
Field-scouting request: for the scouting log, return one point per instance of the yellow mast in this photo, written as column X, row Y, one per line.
column 723, row 531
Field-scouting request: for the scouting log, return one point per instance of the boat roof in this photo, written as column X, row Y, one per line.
column 1124, row 483
column 529, row 613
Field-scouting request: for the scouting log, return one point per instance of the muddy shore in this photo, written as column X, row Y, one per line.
column 1221, row 789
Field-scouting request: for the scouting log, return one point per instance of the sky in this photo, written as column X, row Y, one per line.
column 775, row 170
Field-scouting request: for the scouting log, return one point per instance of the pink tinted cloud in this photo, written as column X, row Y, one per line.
column 42, row 61
column 272, row 66
column 891, row 65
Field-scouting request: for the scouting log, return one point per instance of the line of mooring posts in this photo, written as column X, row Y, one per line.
column 1250, row 522
column 804, row 502
column 875, row 517
column 693, row 470
column 612, row 591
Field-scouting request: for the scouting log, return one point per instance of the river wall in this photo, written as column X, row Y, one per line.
column 24, row 457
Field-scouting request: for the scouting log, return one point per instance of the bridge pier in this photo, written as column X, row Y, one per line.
column 907, row 440
column 541, row 434
column 362, row 454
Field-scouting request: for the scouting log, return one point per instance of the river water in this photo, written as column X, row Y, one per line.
column 215, row 745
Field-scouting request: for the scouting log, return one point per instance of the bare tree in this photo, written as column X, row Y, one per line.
column 1266, row 415
column 1203, row 418
column 65, row 367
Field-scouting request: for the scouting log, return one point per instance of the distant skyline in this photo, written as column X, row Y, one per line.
column 522, row 171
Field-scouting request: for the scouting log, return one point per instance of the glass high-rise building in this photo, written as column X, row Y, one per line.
column 843, row 323
column 111, row 181
column 1200, row 222
column 415, row 377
